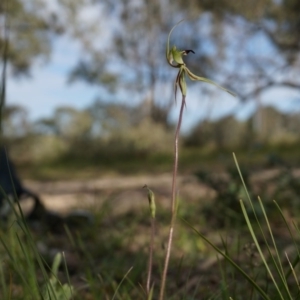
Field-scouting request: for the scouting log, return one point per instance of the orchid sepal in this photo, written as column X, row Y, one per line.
column 194, row 77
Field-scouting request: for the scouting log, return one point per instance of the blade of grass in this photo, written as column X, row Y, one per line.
column 117, row 289
column 150, row 295
column 293, row 271
column 224, row 285
column 5, row 292
column 271, row 234
column 241, row 271
column 67, row 272
column 260, row 250
column 278, row 269
column 16, row 265
column 297, row 259
column 30, row 268
column 278, row 265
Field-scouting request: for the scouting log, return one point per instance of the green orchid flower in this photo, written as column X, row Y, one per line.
column 175, row 60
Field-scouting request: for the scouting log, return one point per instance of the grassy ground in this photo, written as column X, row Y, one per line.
column 101, row 252
column 191, row 160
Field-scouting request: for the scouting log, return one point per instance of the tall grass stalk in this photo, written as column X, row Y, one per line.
column 269, row 252
column 24, row 258
column 119, row 285
column 262, row 293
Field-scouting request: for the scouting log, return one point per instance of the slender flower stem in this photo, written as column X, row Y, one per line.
column 150, row 263
column 173, row 201
column 175, row 60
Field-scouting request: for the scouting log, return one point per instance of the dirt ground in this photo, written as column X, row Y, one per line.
column 126, row 192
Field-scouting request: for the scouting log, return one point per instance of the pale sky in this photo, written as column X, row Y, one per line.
column 47, row 89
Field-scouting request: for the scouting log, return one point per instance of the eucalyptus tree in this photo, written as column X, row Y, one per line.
column 28, row 28
column 26, row 32
column 243, row 45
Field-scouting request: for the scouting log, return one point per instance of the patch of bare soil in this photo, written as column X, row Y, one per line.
column 126, row 192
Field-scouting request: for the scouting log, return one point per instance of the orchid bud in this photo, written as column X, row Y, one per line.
column 151, row 199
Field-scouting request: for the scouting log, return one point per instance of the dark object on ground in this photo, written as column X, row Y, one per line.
column 79, row 218
column 12, row 188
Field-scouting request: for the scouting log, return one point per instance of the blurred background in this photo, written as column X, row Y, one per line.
column 88, row 84
column 90, row 115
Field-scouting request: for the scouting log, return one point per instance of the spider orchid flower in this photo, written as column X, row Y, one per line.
column 175, row 60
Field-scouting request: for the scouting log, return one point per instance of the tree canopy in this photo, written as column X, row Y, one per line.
column 28, row 28
column 248, row 47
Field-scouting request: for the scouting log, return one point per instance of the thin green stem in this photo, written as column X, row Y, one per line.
column 150, row 263
column 173, row 201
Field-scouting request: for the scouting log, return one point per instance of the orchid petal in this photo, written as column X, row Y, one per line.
column 182, row 84
column 168, row 51
column 192, row 76
column 177, row 56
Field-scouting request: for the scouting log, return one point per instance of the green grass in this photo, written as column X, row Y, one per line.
column 108, row 259
column 105, row 251
column 24, row 272
column 191, row 159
